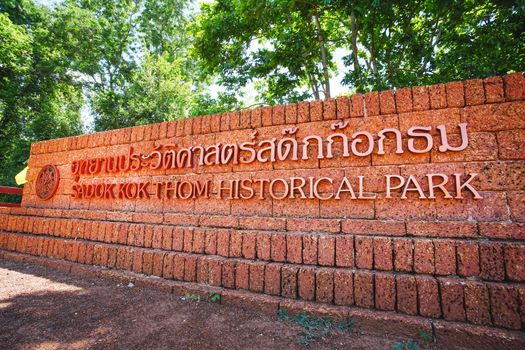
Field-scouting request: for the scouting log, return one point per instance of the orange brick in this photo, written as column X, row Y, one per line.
column 343, row 107
column 357, row 105
column 468, row 259
column 438, row 96
column 278, row 247
column 421, row 100
column 306, row 283
column 494, row 91
column 344, row 251
column 272, row 279
column 329, row 109
column 324, row 286
column 343, row 287
column 511, row 144
column 387, row 102
column 278, row 115
column 289, row 282
column 455, row 94
column 404, row 100
column 424, row 256
column 310, row 249
column 303, row 112
column 385, row 288
column 514, row 86
column 294, row 247
column 326, row 250
column 383, row 253
column 364, row 289
column 474, row 92
column 364, row 252
column 515, row 262
column 316, row 110
column 371, row 103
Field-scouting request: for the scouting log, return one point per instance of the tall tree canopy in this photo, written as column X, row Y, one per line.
column 277, row 43
column 38, row 97
column 132, row 58
column 289, row 44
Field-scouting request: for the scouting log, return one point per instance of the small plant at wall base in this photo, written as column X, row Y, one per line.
column 409, row 345
column 413, row 344
column 192, row 297
column 214, row 297
column 315, row 328
column 425, row 336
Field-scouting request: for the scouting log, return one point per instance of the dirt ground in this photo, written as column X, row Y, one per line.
column 42, row 308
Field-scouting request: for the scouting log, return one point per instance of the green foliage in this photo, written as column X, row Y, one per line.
column 214, row 297
column 279, row 45
column 425, row 335
column 38, row 98
column 283, row 314
column 408, row 345
column 192, row 297
column 413, row 344
column 273, row 43
column 314, row 328
column 128, row 60
column 431, row 41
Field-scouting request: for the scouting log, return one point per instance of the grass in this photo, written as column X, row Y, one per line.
column 413, row 344
column 213, row 297
column 192, row 297
column 409, row 345
column 313, row 327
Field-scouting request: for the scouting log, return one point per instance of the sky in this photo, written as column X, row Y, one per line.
column 249, row 91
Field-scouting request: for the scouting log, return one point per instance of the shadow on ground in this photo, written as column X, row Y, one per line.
column 42, row 308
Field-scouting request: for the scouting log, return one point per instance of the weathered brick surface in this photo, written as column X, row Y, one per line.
column 504, row 306
column 364, row 289
column 445, row 257
column 385, row 292
column 272, row 279
column 306, row 283
column 477, row 303
column 456, row 259
column 428, row 297
column 364, row 252
column 452, row 297
column 343, row 287
column 406, row 294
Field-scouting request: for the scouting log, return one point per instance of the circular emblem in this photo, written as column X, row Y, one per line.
column 47, row 182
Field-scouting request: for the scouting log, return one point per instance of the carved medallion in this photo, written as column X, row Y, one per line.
column 46, row 182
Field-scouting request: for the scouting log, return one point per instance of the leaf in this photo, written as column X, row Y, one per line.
column 215, row 297
column 283, row 314
column 425, row 335
column 398, row 346
column 412, row 345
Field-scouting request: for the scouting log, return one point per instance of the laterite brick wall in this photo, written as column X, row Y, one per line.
column 458, row 260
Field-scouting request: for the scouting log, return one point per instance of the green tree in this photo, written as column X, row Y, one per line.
column 38, row 98
column 399, row 43
column 132, row 59
column 286, row 47
column 280, row 45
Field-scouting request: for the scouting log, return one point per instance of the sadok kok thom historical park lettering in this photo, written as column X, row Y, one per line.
column 288, row 147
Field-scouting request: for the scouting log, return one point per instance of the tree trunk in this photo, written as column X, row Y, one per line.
column 313, row 85
column 354, row 42
column 315, row 91
column 324, row 62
